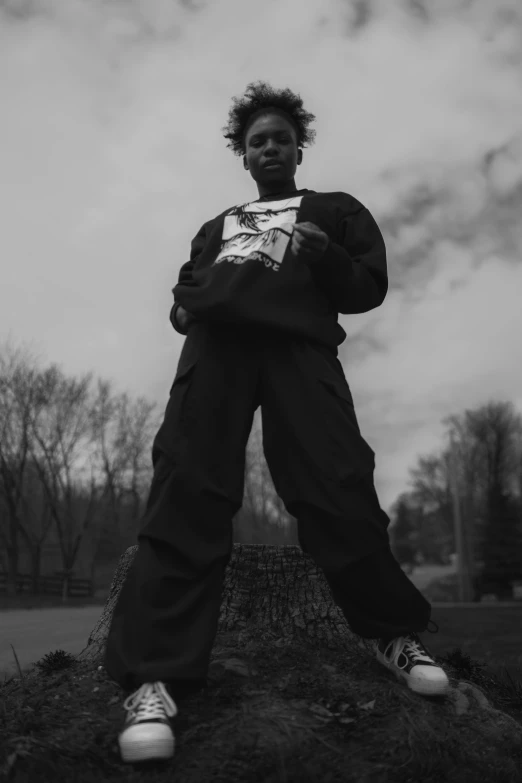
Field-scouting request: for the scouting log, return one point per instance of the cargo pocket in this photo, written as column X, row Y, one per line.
column 352, row 456
column 181, row 397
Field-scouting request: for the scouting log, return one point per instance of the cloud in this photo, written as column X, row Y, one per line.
column 112, row 158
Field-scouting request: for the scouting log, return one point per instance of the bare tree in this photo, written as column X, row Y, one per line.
column 470, row 483
column 9, row 540
column 404, row 533
column 59, row 427
column 489, row 441
column 431, row 494
column 497, row 430
column 262, row 507
column 39, row 519
column 21, row 501
column 53, row 435
column 121, row 434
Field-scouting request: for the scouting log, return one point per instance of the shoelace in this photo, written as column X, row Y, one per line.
column 415, row 648
column 151, row 701
column 411, row 645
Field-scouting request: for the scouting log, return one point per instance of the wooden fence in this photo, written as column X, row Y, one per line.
column 49, row 585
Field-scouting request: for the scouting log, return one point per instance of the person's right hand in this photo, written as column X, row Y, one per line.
column 185, row 319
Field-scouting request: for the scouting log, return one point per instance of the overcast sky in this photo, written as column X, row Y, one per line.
column 112, row 157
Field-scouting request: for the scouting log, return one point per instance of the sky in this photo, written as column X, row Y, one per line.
column 112, row 157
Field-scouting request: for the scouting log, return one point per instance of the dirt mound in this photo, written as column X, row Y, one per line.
column 272, row 710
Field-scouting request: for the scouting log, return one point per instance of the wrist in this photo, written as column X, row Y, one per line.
column 178, row 318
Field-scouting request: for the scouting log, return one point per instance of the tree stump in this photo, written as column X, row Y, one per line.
column 278, row 589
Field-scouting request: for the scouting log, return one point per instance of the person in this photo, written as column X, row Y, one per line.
column 259, row 301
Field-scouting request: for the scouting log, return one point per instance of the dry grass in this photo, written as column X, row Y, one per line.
column 273, row 712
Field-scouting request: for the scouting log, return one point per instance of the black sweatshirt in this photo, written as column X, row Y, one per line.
column 241, row 270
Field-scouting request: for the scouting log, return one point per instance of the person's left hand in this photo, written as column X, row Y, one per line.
column 308, row 239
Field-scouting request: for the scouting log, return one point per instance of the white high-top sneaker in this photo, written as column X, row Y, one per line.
column 409, row 660
column 147, row 734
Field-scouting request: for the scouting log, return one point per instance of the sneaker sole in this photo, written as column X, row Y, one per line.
column 428, row 688
column 417, row 686
column 146, row 744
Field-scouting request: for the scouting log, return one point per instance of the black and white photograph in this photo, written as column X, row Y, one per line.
column 261, row 391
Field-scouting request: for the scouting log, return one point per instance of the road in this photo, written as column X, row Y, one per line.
column 36, row 632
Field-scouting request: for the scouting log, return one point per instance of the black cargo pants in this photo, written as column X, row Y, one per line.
column 166, row 618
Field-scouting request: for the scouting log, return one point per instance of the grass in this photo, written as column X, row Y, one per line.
column 272, row 711
column 489, row 633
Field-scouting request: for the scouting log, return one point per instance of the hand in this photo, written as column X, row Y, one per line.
column 310, row 241
column 184, row 318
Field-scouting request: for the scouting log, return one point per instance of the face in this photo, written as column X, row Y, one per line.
column 270, row 138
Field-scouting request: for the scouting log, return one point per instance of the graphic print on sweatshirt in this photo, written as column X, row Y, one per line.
column 258, row 231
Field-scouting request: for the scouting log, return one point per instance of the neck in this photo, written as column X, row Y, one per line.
column 276, row 190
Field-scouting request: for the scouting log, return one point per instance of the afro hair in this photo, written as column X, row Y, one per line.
column 258, row 96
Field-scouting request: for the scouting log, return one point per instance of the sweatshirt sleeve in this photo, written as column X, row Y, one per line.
column 354, row 274
column 185, row 273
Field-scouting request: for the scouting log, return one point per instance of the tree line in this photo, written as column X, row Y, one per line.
column 75, row 459
column 484, row 472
